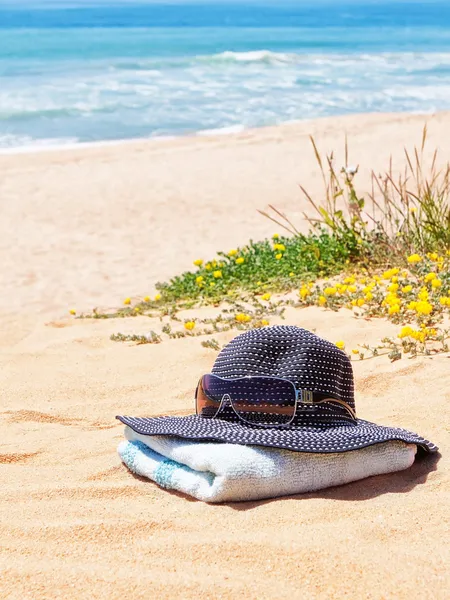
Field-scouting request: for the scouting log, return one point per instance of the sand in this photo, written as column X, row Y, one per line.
column 86, row 227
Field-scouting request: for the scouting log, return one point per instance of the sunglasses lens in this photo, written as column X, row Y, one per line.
column 257, row 400
column 207, row 402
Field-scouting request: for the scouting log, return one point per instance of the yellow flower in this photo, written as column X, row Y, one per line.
column 391, row 299
column 330, row 291
column 418, row 335
column 199, row 280
column 405, row 331
column 189, row 325
column 340, row 344
column 304, row 292
column 278, row 256
column 423, row 294
column 280, row 247
column 232, row 252
column 137, row 309
column 291, row 274
column 355, row 351
column 368, row 296
column 368, row 288
column 217, row 274
column 412, row 305
column 429, row 277
column 352, row 289
column 377, row 278
column 434, row 256
column 360, row 302
column 198, row 262
column 322, row 301
column 212, row 284
column 394, row 279
column 127, row 301
column 414, row 258
column 436, row 283
column 349, row 280
column 264, row 322
column 157, row 297
column 390, row 273
column 393, row 287
column 275, row 236
column 265, row 296
column 147, row 299
column 242, row 318
column 72, row 311
column 240, row 260
column 394, row 309
column 423, row 308
column 443, row 301
column 406, row 289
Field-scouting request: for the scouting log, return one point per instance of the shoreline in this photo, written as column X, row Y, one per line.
column 207, row 133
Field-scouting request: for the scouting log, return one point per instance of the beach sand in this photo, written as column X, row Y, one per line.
column 87, row 227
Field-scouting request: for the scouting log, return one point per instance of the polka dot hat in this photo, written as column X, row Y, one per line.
column 309, row 362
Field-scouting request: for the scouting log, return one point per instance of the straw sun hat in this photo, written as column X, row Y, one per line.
column 311, row 364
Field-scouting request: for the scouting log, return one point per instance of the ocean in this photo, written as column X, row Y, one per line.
column 73, row 72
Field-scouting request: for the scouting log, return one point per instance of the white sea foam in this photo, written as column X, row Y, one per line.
column 223, row 130
column 214, row 95
column 20, row 146
column 264, row 56
column 11, row 144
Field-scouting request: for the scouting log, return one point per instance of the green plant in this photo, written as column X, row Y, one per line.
column 150, row 338
column 276, row 265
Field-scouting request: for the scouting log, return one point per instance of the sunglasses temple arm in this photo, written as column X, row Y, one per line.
column 347, row 407
column 306, row 397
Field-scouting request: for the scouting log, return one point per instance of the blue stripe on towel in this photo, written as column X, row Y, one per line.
column 131, row 452
column 165, row 470
column 134, row 452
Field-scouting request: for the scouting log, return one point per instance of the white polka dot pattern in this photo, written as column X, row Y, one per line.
column 310, row 363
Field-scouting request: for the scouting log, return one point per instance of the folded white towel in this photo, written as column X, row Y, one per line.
column 216, row 472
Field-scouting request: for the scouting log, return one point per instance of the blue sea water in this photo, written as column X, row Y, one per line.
column 74, row 71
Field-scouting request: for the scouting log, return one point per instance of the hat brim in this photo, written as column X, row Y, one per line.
column 322, row 440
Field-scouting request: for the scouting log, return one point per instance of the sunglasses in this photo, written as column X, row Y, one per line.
column 259, row 400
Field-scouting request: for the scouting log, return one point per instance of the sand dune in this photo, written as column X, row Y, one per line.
column 86, row 227
column 90, row 226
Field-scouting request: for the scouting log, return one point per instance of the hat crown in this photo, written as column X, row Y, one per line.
column 292, row 353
